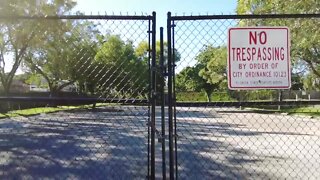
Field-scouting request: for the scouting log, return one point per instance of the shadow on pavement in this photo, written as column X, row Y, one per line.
column 62, row 146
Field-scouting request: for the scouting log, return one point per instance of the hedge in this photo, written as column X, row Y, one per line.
column 202, row 97
column 8, row 106
column 257, row 95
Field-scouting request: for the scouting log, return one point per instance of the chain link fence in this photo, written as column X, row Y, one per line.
column 81, row 96
column 75, row 97
column 243, row 134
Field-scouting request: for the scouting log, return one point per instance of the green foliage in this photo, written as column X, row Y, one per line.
column 222, row 96
column 304, row 32
column 305, row 111
column 38, row 110
column 36, row 79
column 189, row 80
column 214, row 63
column 35, row 7
column 19, row 36
column 296, row 82
column 208, row 75
column 22, row 77
column 255, row 95
column 311, row 82
column 142, row 53
column 202, row 97
column 191, row 97
column 119, row 71
column 277, row 6
column 64, row 55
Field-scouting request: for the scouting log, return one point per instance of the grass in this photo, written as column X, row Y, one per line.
column 32, row 111
column 307, row 111
column 201, row 97
column 39, row 110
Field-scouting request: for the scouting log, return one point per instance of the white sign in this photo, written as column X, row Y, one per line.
column 259, row 58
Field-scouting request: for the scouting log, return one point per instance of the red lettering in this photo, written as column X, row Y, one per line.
column 253, row 52
column 263, row 37
column 233, row 53
column 248, row 54
column 238, row 54
column 252, row 37
column 282, row 53
column 259, row 54
column 276, row 54
column 264, row 53
column 269, row 53
column 243, row 52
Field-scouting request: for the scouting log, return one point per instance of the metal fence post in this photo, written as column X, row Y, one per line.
column 170, row 103
column 149, row 96
column 153, row 91
column 163, row 126
column 174, row 101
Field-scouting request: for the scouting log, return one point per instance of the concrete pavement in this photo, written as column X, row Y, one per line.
column 112, row 143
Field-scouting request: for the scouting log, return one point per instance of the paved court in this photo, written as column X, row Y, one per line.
column 111, row 143
column 230, row 144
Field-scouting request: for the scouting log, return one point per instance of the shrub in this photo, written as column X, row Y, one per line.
column 201, row 97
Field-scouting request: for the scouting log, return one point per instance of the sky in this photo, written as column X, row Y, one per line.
column 146, row 7
column 161, row 7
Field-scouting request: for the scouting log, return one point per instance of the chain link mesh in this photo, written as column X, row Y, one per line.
column 85, row 83
column 220, row 140
column 85, row 112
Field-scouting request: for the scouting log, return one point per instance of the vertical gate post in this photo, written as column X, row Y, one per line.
column 153, row 94
column 149, row 95
column 170, row 103
column 161, row 90
column 174, row 99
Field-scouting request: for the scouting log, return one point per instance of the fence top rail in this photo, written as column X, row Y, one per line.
column 244, row 16
column 82, row 17
column 71, row 100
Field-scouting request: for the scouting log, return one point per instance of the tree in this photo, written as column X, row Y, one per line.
column 18, row 35
column 119, row 71
column 311, row 82
column 142, row 52
column 65, row 55
column 304, row 44
column 189, row 80
column 297, row 82
column 208, row 75
column 212, row 62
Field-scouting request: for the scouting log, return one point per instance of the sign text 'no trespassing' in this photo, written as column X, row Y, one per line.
column 259, row 58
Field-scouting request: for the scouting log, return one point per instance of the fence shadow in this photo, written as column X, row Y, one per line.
column 205, row 153
column 201, row 154
column 62, row 146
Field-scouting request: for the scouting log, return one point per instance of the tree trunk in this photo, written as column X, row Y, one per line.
column 208, row 93
column 6, row 89
column 53, row 93
column 279, row 99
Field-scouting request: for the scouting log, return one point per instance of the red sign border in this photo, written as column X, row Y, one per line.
column 260, row 87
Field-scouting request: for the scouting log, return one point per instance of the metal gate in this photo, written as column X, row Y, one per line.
column 102, row 103
column 88, row 111
column 239, row 134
